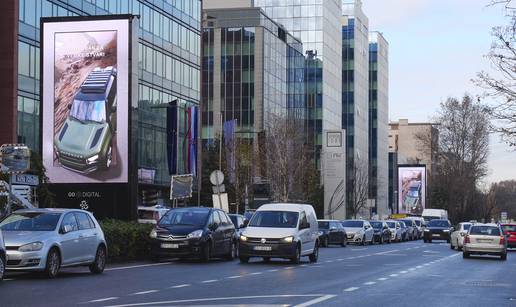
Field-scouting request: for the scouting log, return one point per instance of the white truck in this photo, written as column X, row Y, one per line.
column 434, row 214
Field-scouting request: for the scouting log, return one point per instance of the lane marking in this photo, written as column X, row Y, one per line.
column 412, row 269
column 256, row 273
column 289, row 268
column 329, row 261
column 340, row 259
column 316, row 301
column 208, row 281
column 387, row 252
column 180, row 286
column 104, row 299
column 369, row 283
column 351, row 289
column 144, row 292
column 273, row 270
column 233, row 277
column 382, row 278
column 419, row 267
column 394, row 275
column 138, row 266
column 403, row 272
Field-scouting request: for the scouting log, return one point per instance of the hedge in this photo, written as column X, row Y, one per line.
column 127, row 241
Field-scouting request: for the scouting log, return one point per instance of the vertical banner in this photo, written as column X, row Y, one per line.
column 172, row 120
column 334, row 174
column 230, row 147
column 411, row 189
column 193, row 117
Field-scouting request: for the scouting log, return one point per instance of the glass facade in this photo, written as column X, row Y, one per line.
column 378, row 122
column 169, row 67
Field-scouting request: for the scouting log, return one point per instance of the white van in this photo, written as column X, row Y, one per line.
column 281, row 231
column 434, row 214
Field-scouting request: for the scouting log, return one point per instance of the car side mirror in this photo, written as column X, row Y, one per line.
column 246, row 222
column 66, row 229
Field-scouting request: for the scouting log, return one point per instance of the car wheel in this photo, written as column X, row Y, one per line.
column 206, row 252
column 343, row 243
column 503, row 256
column 99, row 264
column 465, row 255
column 459, row 248
column 381, row 240
column 297, row 257
column 429, row 241
column 363, row 241
column 232, row 252
column 243, row 259
column 2, row 268
column 53, row 263
column 315, row 255
column 266, row 259
column 451, row 246
column 325, row 242
column 109, row 157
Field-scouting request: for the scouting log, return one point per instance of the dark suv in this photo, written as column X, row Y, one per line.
column 437, row 230
column 195, row 232
column 84, row 142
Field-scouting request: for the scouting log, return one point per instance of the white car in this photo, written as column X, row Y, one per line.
column 359, row 231
column 281, row 231
column 485, row 239
column 457, row 236
column 151, row 215
column 396, row 231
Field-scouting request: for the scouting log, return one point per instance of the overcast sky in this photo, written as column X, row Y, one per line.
column 436, row 48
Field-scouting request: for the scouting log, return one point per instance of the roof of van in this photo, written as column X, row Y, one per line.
column 285, row 207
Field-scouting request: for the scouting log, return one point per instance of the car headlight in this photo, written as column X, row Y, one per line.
column 31, row 247
column 427, row 230
column 153, row 234
column 288, row 239
column 243, row 238
column 446, row 230
column 320, row 233
column 92, row 159
column 195, row 234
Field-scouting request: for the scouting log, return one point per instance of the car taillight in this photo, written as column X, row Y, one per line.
column 502, row 240
column 466, row 239
column 155, row 215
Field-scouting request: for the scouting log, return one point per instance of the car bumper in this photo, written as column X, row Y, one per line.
column 437, row 236
column 26, row 261
column 184, row 249
column 277, row 250
column 76, row 166
column 484, row 250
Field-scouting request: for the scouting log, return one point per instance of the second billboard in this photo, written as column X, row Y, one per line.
column 411, row 189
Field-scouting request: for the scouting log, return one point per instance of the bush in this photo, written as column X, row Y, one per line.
column 127, row 241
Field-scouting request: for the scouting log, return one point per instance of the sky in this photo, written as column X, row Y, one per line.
column 436, row 47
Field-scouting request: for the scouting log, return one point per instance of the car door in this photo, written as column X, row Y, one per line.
column 217, row 233
column 228, row 231
column 333, row 233
column 87, row 237
column 304, row 233
column 70, row 246
column 368, row 231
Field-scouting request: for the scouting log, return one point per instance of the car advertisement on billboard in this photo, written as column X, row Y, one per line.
column 411, row 189
column 85, row 100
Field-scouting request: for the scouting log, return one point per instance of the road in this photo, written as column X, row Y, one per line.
column 402, row 274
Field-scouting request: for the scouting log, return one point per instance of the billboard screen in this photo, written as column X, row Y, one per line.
column 85, row 100
column 411, row 189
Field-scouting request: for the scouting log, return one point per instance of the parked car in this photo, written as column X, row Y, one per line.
column 248, row 214
column 458, row 234
column 485, row 239
column 240, row 224
column 48, row 239
column 412, row 232
column 437, row 230
column 359, row 231
column 84, row 142
column 194, row 232
column 151, row 215
column 420, row 225
column 510, row 231
column 281, row 231
column 404, row 231
column 396, row 231
column 3, row 256
column 331, row 232
column 382, row 233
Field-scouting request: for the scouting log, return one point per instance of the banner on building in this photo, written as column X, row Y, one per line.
column 411, row 189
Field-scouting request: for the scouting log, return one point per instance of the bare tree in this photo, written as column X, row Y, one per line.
column 358, row 188
column 502, row 87
column 286, row 158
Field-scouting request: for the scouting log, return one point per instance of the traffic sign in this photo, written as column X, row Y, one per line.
column 216, row 177
column 25, row 179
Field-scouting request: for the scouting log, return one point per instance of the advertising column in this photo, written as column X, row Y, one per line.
column 334, row 174
column 86, row 103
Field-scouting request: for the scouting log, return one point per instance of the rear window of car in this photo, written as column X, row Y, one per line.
column 509, row 228
column 353, row 223
column 377, row 225
column 467, row 226
column 391, row 224
column 324, row 225
column 438, row 223
column 145, row 214
column 484, row 231
column 418, row 222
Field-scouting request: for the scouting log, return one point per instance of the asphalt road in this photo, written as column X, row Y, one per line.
column 402, row 274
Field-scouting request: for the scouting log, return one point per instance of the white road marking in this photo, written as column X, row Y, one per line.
column 358, row 249
column 393, row 275
column 387, row 252
column 316, row 301
column 351, row 289
column 137, row 266
column 329, row 261
column 303, row 265
column 104, row 299
column 353, row 265
column 419, row 267
column 8, row 279
column 403, row 272
column 180, row 286
column 233, row 277
column 256, row 273
column 412, row 269
column 369, row 283
column 239, row 298
column 208, row 281
column 144, row 292
column 382, row 278
column 340, row 259
column 289, row 268
column 272, row 270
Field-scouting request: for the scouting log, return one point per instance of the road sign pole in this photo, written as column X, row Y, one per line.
column 9, row 196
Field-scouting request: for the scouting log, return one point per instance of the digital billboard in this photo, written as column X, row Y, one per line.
column 85, row 102
column 411, row 189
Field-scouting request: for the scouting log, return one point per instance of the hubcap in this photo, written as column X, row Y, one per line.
column 101, row 259
column 54, row 263
column 1, row 268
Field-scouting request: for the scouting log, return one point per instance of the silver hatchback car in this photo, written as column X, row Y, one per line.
column 48, row 239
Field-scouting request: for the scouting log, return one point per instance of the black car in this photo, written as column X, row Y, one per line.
column 194, row 232
column 332, row 232
column 382, row 233
column 437, row 230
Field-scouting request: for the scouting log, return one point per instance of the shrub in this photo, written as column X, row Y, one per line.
column 127, row 241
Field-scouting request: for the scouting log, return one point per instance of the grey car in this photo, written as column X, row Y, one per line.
column 3, row 257
column 48, row 239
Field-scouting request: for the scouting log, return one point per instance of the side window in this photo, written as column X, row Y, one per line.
column 240, row 221
column 303, row 220
column 216, row 218
column 82, row 219
column 70, row 220
column 223, row 217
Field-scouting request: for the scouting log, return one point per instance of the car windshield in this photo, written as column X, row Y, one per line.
column 391, row 224
column 276, row 219
column 403, row 225
column 185, row 217
column 468, row 226
column 407, row 222
column 30, row 221
column 438, row 223
column 509, row 228
column 484, row 231
column 324, row 225
column 377, row 225
column 353, row 224
column 89, row 110
column 418, row 222
column 234, row 220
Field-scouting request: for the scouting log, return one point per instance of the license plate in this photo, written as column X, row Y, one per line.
column 436, row 235
column 262, row 248
column 166, row 245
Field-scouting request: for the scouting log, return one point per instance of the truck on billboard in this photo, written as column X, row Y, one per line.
column 411, row 189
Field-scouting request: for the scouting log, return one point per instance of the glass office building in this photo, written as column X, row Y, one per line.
column 169, row 67
column 355, row 87
column 316, row 24
column 379, row 123
column 252, row 68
